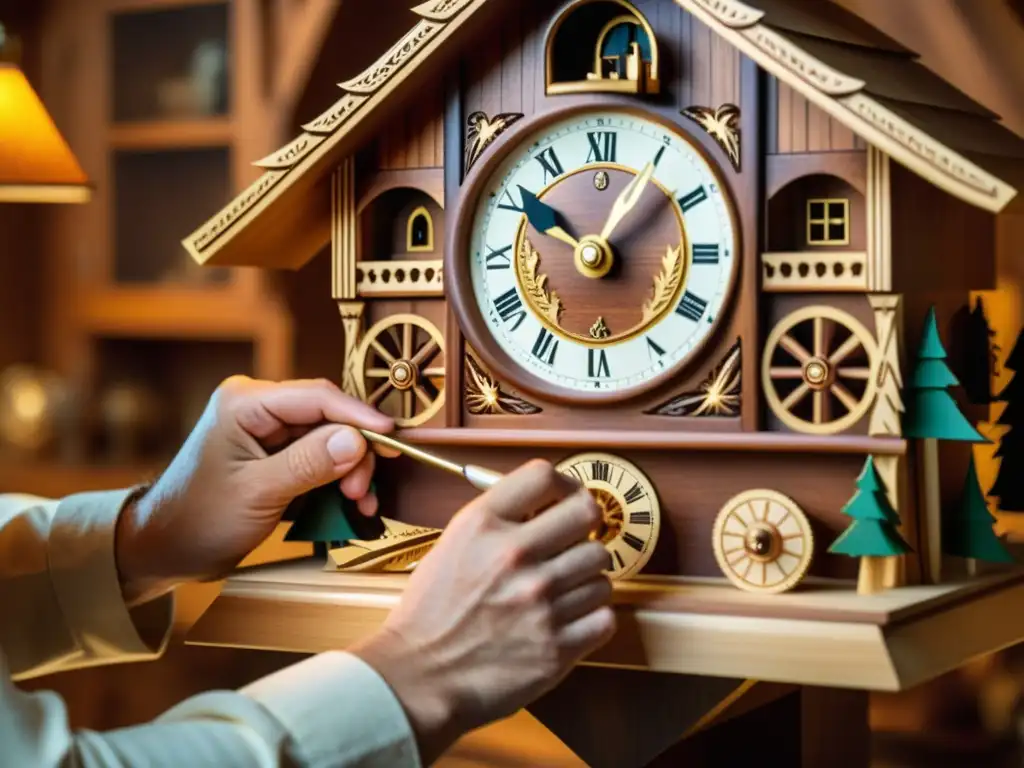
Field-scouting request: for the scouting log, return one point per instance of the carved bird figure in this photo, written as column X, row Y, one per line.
column 722, row 125
column 482, row 131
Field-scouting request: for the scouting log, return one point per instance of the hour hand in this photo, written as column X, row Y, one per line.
column 544, row 218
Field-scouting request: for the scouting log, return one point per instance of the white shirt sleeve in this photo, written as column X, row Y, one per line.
column 61, row 608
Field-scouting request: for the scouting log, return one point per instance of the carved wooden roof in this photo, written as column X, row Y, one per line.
column 283, row 218
column 876, row 88
column 838, row 61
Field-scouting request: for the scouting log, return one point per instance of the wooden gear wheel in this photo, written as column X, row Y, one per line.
column 763, row 541
column 400, row 366
column 818, row 370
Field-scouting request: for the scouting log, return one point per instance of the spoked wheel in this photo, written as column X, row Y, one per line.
column 818, row 370
column 763, row 541
column 401, row 362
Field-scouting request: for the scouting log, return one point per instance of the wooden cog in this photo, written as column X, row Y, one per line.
column 763, row 541
column 400, row 365
column 818, row 370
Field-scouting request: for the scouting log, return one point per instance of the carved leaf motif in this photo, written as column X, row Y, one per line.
column 718, row 394
column 481, row 131
column 550, row 305
column 666, row 284
column 484, row 395
column 722, row 125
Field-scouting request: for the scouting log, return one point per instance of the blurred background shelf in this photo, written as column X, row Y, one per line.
column 55, row 479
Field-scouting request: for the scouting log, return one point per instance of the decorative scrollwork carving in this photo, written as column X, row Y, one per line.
column 548, row 304
column 666, row 284
column 718, row 395
column 722, row 125
column 481, row 131
column 484, row 395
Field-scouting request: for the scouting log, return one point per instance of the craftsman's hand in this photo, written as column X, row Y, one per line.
column 257, row 446
column 499, row 611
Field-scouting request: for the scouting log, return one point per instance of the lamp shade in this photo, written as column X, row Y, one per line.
column 36, row 164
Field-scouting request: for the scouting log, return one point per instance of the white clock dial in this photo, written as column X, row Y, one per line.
column 602, row 252
column 631, row 514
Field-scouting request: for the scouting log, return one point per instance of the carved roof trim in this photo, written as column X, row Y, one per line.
column 282, row 185
column 883, row 95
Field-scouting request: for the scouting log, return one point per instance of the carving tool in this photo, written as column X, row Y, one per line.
column 480, row 478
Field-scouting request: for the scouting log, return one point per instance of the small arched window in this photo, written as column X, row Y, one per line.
column 419, row 231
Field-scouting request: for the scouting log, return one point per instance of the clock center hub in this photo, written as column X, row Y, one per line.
column 762, row 542
column 402, row 375
column 593, row 257
column 611, row 515
column 817, row 373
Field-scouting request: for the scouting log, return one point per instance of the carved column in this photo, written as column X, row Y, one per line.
column 885, row 421
column 352, row 321
column 879, row 224
column 344, row 255
column 344, row 231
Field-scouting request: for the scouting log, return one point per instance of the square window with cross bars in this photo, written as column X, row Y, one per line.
column 828, row 222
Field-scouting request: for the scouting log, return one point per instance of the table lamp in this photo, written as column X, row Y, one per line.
column 36, row 163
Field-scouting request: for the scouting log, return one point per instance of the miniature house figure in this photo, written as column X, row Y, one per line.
column 679, row 248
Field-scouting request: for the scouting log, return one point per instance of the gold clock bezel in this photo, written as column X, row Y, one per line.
column 458, row 277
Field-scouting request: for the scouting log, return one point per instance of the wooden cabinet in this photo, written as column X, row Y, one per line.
column 161, row 101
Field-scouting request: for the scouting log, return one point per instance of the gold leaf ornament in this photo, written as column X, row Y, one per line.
column 666, row 284
column 485, row 396
column 549, row 305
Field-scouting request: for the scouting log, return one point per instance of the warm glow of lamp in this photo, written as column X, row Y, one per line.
column 36, row 164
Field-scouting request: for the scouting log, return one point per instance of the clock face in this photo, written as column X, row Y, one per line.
column 629, row 507
column 601, row 253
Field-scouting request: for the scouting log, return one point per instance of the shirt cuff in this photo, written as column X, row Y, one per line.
column 83, row 569
column 338, row 711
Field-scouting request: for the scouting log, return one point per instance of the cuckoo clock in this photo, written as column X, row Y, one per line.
column 673, row 246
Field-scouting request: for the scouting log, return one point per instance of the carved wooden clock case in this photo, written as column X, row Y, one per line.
column 601, row 274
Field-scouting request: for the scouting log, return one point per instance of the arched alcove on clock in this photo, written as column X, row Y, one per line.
column 601, row 46
column 401, row 224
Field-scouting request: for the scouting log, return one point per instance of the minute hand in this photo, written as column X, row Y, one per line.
column 626, row 200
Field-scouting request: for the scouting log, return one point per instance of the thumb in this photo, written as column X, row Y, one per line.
column 326, row 453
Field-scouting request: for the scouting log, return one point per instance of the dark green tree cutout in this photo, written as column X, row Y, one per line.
column 967, row 529
column 1009, row 484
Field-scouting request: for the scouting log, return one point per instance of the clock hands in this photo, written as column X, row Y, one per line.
column 627, row 199
column 544, row 218
column 592, row 253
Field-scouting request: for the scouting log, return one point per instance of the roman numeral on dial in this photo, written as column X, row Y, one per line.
column 634, row 494
column 633, row 541
column 652, row 347
column 603, row 147
column 597, row 363
column 639, row 518
column 689, row 200
column 617, row 561
column 550, row 163
column 601, row 470
column 508, row 203
column 691, row 307
column 509, row 306
column 545, row 347
column 500, row 258
column 705, row 253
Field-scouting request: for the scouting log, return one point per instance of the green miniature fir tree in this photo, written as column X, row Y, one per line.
column 326, row 516
column 874, row 531
column 932, row 413
column 967, row 531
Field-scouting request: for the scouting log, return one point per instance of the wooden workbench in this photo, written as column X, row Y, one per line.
column 716, row 652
